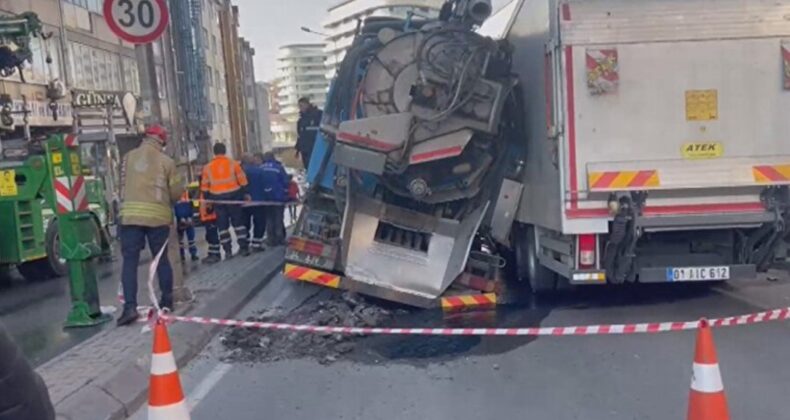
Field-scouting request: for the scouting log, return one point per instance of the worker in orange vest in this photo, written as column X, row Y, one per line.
column 222, row 181
column 208, row 218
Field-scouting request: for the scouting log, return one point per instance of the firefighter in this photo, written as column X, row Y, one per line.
column 223, row 180
column 186, row 227
column 150, row 186
column 208, row 217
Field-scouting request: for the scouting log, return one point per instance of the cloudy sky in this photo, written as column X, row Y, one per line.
column 268, row 24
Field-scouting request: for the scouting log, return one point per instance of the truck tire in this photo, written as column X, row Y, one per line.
column 57, row 266
column 541, row 279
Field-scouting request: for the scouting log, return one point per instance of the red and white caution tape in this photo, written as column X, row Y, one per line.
column 252, row 203
column 616, row 329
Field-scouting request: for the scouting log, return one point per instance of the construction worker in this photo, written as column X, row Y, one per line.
column 150, row 186
column 208, row 218
column 186, row 227
column 275, row 180
column 223, row 180
column 307, row 129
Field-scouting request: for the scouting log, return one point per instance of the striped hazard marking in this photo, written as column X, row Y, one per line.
column 295, row 272
column 464, row 302
column 768, row 174
column 622, row 180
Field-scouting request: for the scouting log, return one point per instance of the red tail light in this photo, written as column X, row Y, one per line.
column 306, row 246
column 587, row 251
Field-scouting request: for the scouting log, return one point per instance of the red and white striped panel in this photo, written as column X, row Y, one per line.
column 80, row 194
column 72, row 140
column 70, row 194
column 62, row 186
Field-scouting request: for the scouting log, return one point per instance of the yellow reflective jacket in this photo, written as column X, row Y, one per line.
column 150, row 186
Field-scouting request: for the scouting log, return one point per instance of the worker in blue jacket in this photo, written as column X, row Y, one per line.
column 257, row 211
column 275, row 180
column 186, row 227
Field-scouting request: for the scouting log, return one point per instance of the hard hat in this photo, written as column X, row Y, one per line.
column 157, row 130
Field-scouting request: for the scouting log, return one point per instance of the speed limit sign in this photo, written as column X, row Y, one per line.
column 136, row 21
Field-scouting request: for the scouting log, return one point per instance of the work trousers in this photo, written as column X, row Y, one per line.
column 230, row 215
column 189, row 232
column 212, row 238
column 275, row 225
column 258, row 214
column 133, row 240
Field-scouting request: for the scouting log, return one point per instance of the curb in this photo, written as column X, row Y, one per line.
column 120, row 393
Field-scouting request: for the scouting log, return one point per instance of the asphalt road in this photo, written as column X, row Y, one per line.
column 612, row 377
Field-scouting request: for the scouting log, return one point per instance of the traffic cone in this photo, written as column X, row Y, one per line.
column 706, row 398
column 165, row 396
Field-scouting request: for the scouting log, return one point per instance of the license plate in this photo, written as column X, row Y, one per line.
column 698, row 273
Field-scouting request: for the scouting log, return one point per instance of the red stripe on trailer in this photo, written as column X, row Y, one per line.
column 367, row 141
column 606, row 180
column 450, row 151
column 771, row 173
column 566, row 11
column 674, row 210
column 72, row 140
column 574, row 182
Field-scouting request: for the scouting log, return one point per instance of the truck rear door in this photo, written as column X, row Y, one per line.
column 688, row 100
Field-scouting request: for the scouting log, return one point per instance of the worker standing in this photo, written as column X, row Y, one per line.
column 256, row 189
column 307, row 129
column 208, row 218
column 150, row 186
column 186, row 227
column 224, row 182
column 276, row 192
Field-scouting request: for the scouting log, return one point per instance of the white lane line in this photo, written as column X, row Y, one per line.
column 207, row 384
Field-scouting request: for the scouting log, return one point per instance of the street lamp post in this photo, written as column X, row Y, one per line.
column 334, row 42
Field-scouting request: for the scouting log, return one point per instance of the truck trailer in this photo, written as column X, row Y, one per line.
column 594, row 141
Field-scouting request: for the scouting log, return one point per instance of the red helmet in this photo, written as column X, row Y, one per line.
column 157, row 130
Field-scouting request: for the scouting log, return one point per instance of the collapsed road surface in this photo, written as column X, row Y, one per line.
column 291, row 376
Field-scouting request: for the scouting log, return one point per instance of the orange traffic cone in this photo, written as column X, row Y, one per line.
column 165, row 396
column 706, row 398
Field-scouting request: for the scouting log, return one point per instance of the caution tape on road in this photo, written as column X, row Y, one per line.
column 251, row 203
column 613, row 329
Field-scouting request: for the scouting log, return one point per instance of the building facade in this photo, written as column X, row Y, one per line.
column 343, row 17
column 301, row 73
column 231, row 45
column 214, row 12
column 253, row 135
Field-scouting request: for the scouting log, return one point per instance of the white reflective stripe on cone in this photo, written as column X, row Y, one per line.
column 706, row 378
column 177, row 411
column 162, row 364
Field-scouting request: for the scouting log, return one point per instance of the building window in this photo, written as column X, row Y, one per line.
column 96, row 69
column 131, row 77
column 219, row 80
column 94, row 6
column 210, row 76
column 205, row 35
column 213, row 44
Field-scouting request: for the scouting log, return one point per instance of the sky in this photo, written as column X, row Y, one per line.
column 268, row 24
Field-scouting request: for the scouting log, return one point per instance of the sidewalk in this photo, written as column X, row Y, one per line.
column 106, row 377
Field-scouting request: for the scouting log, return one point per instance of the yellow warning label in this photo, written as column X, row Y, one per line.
column 703, row 150
column 702, row 105
column 57, row 158
column 8, row 183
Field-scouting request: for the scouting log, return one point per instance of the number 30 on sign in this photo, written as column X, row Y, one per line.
column 136, row 21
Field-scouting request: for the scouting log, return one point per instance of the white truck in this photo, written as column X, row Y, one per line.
column 600, row 141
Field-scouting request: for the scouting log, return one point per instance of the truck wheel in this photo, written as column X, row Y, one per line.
column 37, row 270
column 56, row 265
column 540, row 278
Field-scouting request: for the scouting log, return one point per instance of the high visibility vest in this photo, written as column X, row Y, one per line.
column 222, row 176
column 205, row 215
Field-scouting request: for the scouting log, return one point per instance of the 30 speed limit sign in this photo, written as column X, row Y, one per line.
column 136, row 21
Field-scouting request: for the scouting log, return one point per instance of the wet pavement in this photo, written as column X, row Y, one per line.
column 34, row 312
column 602, row 377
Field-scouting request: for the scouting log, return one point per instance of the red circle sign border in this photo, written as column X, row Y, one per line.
column 108, row 17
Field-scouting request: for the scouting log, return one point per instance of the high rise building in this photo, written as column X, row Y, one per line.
column 262, row 92
column 301, row 73
column 344, row 17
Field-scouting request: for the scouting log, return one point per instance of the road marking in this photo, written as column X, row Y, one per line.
column 207, row 384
